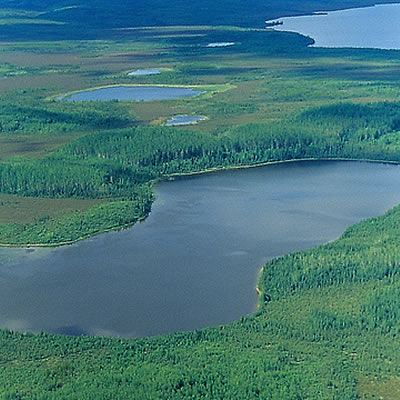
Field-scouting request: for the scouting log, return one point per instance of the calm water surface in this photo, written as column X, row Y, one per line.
column 184, row 120
column 221, row 44
column 194, row 262
column 138, row 93
column 374, row 27
column 143, row 72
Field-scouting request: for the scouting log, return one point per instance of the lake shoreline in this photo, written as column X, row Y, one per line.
column 266, row 163
column 174, row 176
column 320, row 26
column 208, row 89
column 220, row 228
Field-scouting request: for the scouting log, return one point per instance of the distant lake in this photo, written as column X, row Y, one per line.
column 184, row 120
column 195, row 261
column 373, row 27
column 138, row 93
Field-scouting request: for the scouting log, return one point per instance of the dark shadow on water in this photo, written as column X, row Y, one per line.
column 71, row 330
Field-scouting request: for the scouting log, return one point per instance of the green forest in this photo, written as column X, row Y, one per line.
column 121, row 165
column 327, row 328
column 328, row 318
column 60, row 19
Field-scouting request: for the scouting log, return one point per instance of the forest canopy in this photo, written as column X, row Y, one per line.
column 327, row 324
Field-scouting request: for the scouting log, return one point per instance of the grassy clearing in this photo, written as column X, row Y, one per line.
column 373, row 388
column 31, row 146
column 23, row 210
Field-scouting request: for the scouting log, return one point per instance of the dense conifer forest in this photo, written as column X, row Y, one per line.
column 328, row 319
column 121, row 165
column 95, row 18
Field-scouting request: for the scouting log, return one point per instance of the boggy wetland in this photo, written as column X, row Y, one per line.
column 324, row 321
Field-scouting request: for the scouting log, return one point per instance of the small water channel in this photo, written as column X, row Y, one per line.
column 195, row 261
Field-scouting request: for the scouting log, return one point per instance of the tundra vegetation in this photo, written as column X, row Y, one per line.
column 328, row 318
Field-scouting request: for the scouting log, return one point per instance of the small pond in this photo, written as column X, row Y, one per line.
column 147, row 71
column 138, row 93
column 221, row 44
column 369, row 27
column 184, row 120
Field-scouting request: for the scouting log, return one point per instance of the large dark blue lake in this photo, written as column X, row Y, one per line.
column 374, row 27
column 195, row 261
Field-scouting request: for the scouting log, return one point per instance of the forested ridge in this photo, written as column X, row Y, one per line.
column 19, row 114
column 95, row 18
column 121, row 164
